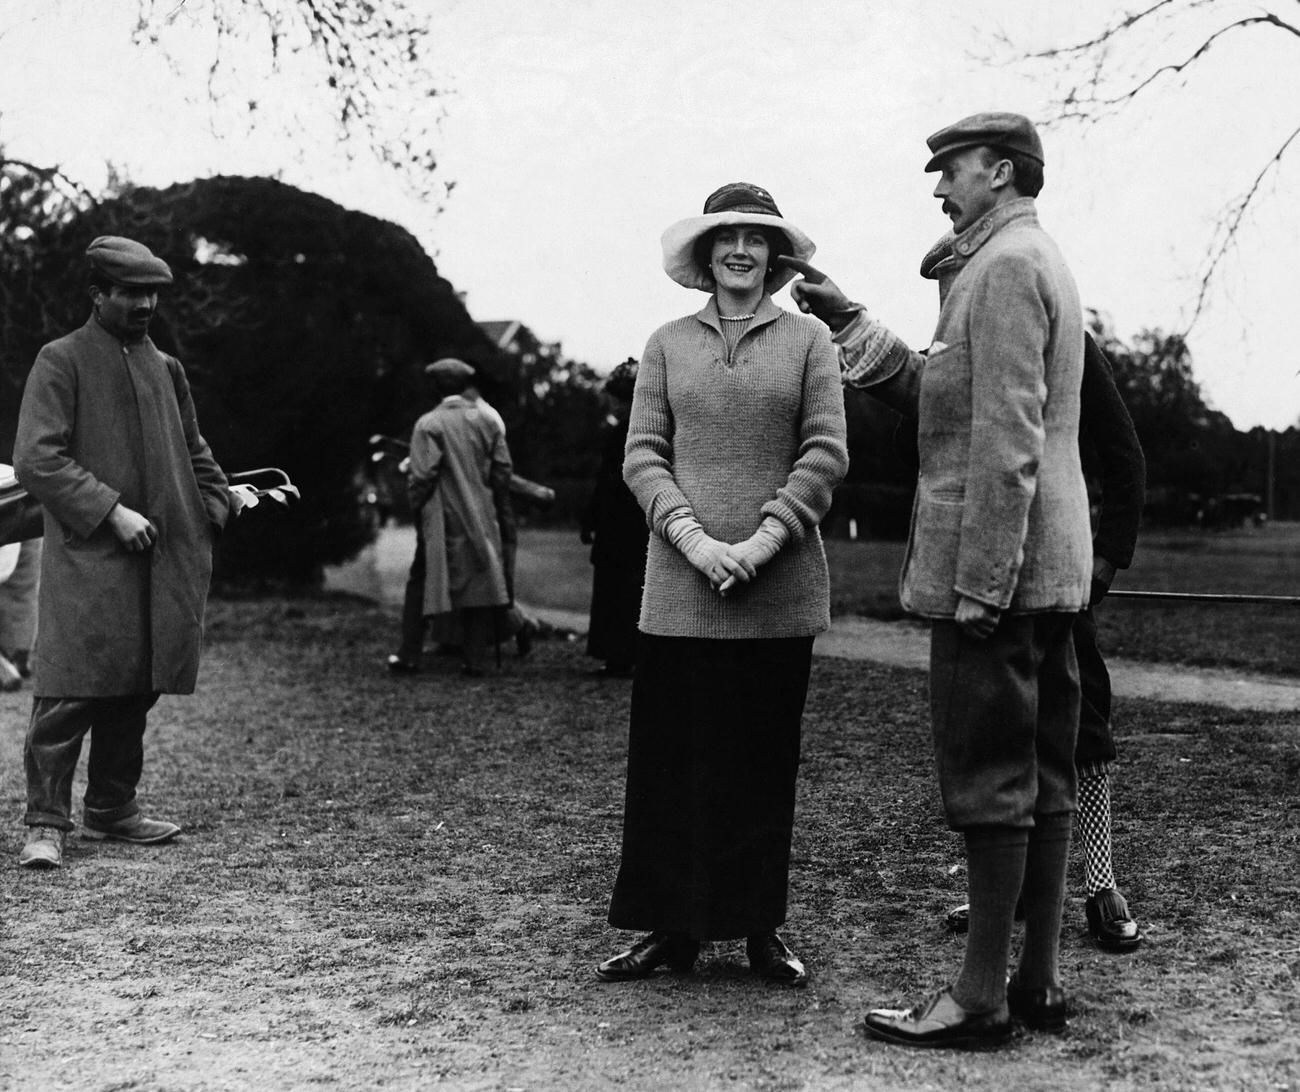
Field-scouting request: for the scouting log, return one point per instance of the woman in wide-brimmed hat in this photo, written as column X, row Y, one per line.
column 735, row 443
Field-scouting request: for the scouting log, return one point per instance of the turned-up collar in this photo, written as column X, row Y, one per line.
column 765, row 312
column 990, row 223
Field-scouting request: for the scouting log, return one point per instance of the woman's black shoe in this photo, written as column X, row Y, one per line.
column 651, row 951
column 771, row 959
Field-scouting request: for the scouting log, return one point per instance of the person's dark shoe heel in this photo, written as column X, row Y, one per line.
column 1042, row 1008
column 653, row 950
column 770, row 958
column 1110, row 923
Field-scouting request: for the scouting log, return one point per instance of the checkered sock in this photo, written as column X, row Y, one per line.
column 1094, row 832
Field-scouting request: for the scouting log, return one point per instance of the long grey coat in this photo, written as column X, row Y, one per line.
column 103, row 421
column 459, row 477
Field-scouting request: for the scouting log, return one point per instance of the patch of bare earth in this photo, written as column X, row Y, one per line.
column 401, row 883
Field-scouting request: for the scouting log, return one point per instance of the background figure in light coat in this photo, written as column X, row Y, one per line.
column 109, row 443
column 459, row 484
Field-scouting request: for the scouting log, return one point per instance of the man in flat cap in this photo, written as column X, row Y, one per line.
column 999, row 558
column 108, row 442
column 459, row 485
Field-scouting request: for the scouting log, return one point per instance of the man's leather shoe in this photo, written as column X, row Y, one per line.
column 939, row 1021
column 1042, row 1008
column 771, row 959
column 1110, row 923
column 44, row 848
column 398, row 665
column 653, row 950
column 135, row 829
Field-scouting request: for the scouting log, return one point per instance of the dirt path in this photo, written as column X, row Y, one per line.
column 380, row 574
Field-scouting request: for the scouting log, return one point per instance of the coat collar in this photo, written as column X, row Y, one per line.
column 765, row 312
column 992, row 222
column 105, row 337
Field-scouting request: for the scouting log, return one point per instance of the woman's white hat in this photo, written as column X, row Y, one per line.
column 734, row 203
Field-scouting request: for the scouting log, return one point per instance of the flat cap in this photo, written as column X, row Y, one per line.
column 126, row 262
column 449, row 367
column 1014, row 132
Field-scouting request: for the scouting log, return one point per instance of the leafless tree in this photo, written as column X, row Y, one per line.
column 363, row 61
column 1169, row 44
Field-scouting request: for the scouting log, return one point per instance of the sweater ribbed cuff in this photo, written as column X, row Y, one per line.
column 870, row 352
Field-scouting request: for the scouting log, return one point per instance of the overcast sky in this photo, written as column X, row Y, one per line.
column 577, row 130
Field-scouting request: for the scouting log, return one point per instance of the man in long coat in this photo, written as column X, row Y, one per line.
column 459, row 483
column 108, row 442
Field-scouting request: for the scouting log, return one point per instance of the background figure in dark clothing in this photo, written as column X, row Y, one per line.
column 1111, row 454
column 615, row 527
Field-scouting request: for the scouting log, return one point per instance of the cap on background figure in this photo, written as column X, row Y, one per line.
column 126, row 262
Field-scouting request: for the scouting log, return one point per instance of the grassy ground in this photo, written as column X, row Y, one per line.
column 864, row 580
column 402, row 884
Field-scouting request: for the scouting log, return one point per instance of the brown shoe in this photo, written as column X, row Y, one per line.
column 137, row 830
column 44, row 848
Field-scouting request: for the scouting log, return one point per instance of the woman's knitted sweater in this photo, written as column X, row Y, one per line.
column 736, row 440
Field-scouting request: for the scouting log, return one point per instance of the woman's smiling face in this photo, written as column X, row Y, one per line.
column 739, row 258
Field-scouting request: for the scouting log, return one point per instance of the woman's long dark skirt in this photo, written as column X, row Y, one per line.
column 713, row 752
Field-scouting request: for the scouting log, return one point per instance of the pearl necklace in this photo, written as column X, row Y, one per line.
column 738, row 318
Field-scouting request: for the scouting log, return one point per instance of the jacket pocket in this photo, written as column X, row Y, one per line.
column 945, row 395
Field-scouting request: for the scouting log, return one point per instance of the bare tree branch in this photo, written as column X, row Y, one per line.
column 1107, row 71
column 368, row 59
column 1075, row 101
column 1230, row 223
